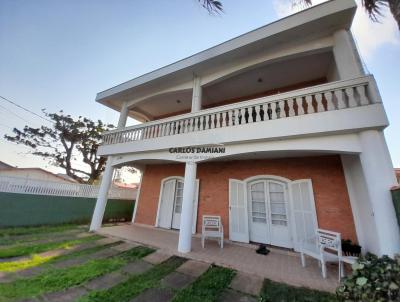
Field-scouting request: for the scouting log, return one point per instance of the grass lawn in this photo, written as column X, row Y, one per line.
column 57, row 279
column 17, row 231
column 280, row 292
column 32, row 248
column 127, row 290
column 208, row 287
column 36, row 260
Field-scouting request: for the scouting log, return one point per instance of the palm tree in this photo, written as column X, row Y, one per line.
column 373, row 7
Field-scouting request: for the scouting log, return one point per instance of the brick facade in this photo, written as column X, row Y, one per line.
column 330, row 191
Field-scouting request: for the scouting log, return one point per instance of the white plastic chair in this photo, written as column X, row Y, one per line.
column 212, row 228
column 326, row 246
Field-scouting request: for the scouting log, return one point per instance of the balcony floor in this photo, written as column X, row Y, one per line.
column 279, row 265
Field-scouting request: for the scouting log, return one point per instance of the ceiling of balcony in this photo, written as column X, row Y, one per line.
column 257, row 81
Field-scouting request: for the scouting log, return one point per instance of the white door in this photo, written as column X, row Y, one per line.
column 268, row 213
column 176, row 215
column 166, row 203
column 304, row 213
column 258, row 212
column 238, row 219
column 170, row 207
column 278, row 196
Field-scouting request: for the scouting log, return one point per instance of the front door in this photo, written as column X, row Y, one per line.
column 268, row 213
column 170, row 204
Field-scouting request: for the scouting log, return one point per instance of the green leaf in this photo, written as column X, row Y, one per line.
column 361, row 281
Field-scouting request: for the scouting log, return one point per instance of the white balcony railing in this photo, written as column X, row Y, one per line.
column 40, row 187
column 327, row 97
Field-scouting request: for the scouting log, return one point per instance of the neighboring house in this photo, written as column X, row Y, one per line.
column 34, row 174
column 294, row 130
column 397, row 171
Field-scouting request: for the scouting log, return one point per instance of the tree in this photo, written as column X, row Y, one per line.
column 67, row 143
column 373, row 7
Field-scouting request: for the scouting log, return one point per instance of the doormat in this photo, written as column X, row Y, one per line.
column 262, row 250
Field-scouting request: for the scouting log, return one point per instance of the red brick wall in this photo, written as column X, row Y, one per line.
column 330, row 191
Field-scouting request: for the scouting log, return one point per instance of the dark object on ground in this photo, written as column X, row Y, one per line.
column 263, row 250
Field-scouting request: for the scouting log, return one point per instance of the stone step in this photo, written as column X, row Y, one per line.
column 233, row 296
column 105, row 282
column 247, row 283
column 137, row 267
column 69, row 295
column 157, row 257
column 193, row 268
column 155, row 294
column 177, row 280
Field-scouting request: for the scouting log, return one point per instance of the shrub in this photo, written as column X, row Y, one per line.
column 373, row 279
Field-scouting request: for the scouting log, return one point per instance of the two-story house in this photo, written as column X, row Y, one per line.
column 278, row 131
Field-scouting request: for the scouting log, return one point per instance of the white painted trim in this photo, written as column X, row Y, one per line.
column 271, row 177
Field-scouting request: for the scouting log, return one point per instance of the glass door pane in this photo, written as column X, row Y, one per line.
column 277, row 203
column 258, row 209
column 178, row 197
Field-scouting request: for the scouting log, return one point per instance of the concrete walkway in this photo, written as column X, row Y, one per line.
column 279, row 265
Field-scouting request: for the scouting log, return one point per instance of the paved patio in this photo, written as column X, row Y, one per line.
column 279, row 265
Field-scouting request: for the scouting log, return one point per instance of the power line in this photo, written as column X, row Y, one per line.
column 23, row 108
column 12, row 112
column 5, row 126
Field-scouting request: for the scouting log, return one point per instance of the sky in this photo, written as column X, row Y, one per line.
column 58, row 54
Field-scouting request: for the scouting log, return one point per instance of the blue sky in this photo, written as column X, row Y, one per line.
column 58, row 54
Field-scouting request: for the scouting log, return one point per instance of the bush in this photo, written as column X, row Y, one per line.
column 373, row 279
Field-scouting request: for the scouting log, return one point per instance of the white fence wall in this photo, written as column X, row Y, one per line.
column 40, row 187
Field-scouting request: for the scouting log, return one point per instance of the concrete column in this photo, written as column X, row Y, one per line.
column 347, row 59
column 106, row 180
column 189, row 188
column 101, row 202
column 123, row 116
column 380, row 177
column 197, row 94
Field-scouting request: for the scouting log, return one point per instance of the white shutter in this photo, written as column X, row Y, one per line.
column 166, row 203
column 195, row 206
column 238, row 216
column 303, row 211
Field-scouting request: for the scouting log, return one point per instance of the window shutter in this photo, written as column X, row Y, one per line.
column 303, row 211
column 238, row 216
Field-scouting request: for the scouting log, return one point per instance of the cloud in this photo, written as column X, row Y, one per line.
column 369, row 35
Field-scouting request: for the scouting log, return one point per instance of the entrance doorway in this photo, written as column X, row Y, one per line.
column 170, row 204
column 268, row 213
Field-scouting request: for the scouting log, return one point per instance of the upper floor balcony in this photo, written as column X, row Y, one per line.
column 281, row 81
column 337, row 107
